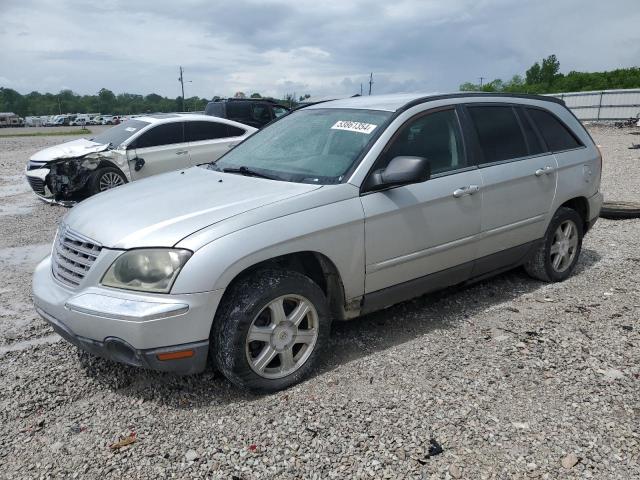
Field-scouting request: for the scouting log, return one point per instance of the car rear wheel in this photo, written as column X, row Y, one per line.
column 556, row 257
column 270, row 330
column 105, row 179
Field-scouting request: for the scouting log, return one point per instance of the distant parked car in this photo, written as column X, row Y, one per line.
column 79, row 121
column 256, row 112
column 107, row 120
column 97, row 120
column 132, row 150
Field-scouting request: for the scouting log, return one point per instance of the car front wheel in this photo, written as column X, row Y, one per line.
column 270, row 330
column 105, row 179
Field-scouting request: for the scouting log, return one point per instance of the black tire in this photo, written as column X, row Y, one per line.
column 620, row 210
column 540, row 265
column 96, row 182
column 246, row 302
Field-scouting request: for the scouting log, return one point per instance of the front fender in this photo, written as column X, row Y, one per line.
column 335, row 230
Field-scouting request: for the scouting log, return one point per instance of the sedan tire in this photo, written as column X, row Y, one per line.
column 105, row 179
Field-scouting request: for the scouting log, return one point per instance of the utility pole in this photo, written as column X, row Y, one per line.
column 360, row 88
column 481, row 79
column 181, row 80
column 370, row 82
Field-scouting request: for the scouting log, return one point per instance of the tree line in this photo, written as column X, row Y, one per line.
column 105, row 102
column 545, row 77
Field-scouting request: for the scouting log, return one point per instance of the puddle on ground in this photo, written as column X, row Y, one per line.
column 13, row 179
column 22, row 204
column 26, row 344
column 14, row 189
column 27, row 257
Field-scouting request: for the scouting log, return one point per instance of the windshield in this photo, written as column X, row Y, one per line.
column 120, row 133
column 308, row 146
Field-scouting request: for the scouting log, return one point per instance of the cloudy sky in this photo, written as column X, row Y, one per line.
column 303, row 46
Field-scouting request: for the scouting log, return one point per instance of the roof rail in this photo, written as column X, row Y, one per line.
column 444, row 96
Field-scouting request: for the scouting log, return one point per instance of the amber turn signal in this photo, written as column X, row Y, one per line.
column 175, row 355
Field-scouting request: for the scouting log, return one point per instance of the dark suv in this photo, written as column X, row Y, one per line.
column 256, row 112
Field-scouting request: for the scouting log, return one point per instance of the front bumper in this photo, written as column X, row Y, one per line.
column 128, row 327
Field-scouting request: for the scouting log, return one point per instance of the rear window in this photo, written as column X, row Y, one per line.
column 555, row 133
column 498, row 132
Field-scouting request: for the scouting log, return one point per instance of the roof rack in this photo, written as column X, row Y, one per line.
column 232, row 99
column 444, row 96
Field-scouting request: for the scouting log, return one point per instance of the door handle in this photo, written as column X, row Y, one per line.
column 231, row 145
column 544, row 171
column 182, row 152
column 468, row 190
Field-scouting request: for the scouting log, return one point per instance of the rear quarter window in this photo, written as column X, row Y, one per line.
column 555, row 133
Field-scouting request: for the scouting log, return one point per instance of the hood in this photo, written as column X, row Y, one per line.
column 73, row 149
column 163, row 209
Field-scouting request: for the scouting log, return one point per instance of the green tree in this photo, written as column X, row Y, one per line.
column 256, row 95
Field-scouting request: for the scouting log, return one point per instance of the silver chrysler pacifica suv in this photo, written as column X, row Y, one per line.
column 332, row 211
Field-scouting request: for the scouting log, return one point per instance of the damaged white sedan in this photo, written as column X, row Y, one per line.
column 135, row 149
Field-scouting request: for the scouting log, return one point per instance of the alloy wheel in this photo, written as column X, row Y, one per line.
column 282, row 336
column 564, row 246
column 110, row 180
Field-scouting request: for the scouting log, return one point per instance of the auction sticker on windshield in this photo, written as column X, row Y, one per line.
column 354, row 126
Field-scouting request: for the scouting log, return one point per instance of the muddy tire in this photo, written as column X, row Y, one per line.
column 270, row 330
column 105, row 179
column 620, row 210
column 557, row 255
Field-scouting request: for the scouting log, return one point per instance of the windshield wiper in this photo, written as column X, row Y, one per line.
column 246, row 171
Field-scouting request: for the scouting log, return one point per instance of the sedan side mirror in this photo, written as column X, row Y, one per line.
column 401, row 171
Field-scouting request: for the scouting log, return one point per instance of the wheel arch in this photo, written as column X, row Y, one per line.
column 581, row 206
column 315, row 265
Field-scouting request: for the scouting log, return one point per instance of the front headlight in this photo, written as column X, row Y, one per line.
column 150, row 270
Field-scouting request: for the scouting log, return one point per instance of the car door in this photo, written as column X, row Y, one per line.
column 414, row 231
column 519, row 182
column 160, row 149
column 209, row 140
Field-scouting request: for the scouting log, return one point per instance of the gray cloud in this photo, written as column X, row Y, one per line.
column 305, row 46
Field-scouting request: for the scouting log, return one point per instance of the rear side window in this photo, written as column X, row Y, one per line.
column 261, row 113
column 555, row 133
column 164, row 134
column 238, row 110
column 498, row 132
column 235, row 131
column 215, row 109
column 198, row 131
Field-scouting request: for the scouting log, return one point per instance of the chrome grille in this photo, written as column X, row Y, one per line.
column 73, row 256
column 37, row 184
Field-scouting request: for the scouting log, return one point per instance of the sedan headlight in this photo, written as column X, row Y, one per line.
column 149, row 270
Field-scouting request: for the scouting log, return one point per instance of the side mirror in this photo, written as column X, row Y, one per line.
column 401, row 171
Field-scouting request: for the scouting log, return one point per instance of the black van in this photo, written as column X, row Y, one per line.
column 256, row 112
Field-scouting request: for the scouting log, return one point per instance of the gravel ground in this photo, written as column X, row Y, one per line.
column 512, row 377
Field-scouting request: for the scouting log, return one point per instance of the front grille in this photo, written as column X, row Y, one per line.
column 37, row 184
column 72, row 257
